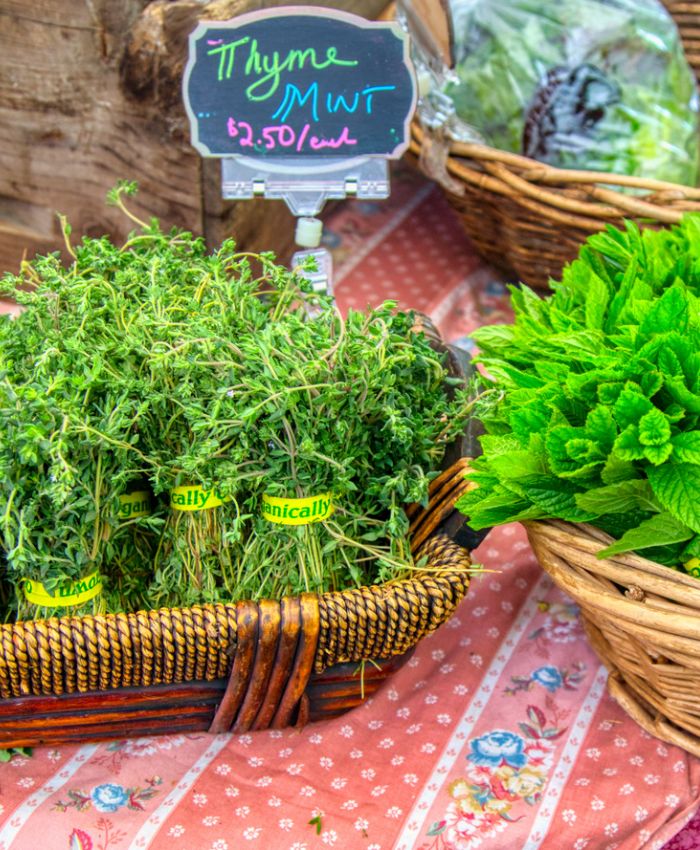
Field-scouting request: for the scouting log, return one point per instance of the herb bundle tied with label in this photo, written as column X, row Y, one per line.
column 161, row 402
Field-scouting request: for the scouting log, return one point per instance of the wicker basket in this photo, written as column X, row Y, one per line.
column 237, row 667
column 643, row 621
column 528, row 219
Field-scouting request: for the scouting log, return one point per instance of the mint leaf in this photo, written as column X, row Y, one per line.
column 618, row 498
column 518, row 464
column 510, row 375
column 498, row 444
column 627, row 445
column 616, row 469
column 495, row 509
column 630, row 406
column 676, row 486
column 669, row 313
column 654, row 429
column 601, row 427
column 556, row 498
column 679, row 392
column 596, row 302
column 669, row 363
column 494, row 336
column 651, row 382
column 659, row 530
column 658, row 454
column 686, row 447
column 525, row 421
column 692, row 550
column 570, row 453
column 609, row 392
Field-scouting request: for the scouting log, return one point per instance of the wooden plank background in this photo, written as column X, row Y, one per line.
column 90, row 93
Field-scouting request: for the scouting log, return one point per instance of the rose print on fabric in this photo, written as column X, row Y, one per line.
column 79, row 840
column 506, row 771
column 549, row 677
column 110, row 797
column 498, row 748
column 561, row 625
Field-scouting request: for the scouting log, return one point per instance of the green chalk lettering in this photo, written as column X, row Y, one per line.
column 270, row 67
column 226, row 54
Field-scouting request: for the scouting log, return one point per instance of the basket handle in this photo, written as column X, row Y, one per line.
column 441, row 513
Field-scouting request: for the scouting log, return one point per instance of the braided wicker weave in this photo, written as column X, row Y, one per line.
column 643, row 621
column 529, row 219
column 117, row 675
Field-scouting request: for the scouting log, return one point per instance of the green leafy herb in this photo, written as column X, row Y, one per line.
column 577, row 84
column 159, row 365
column 599, row 415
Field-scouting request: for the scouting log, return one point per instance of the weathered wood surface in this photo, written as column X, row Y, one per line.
column 90, row 93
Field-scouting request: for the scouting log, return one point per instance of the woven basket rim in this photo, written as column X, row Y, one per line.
column 642, row 621
column 583, row 199
column 640, row 576
column 421, row 577
column 587, row 531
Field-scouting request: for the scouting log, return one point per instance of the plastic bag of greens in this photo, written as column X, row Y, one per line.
column 599, row 85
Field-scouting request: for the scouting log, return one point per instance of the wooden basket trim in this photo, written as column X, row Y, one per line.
column 248, row 637
column 276, row 644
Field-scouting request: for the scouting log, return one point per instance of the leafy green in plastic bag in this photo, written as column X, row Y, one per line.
column 586, row 84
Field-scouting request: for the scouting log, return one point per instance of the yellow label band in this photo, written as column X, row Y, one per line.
column 297, row 511
column 72, row 593
column 192, row 497
column 692, row 567
column 132, row 505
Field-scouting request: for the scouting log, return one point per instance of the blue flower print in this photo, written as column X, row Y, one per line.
column 495, row 287
column 108, row 797
column 498, row 748
column 549, row 677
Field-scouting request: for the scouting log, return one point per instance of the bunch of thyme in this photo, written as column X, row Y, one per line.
column 222, row 376
column 353, row 410
column 70, row 422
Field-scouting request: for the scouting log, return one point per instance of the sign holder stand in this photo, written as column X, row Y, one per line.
column 305, row 185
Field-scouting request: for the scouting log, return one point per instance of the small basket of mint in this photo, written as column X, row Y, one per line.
column 594, row 444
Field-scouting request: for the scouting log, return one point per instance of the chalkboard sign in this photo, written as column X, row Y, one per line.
column 299, row 82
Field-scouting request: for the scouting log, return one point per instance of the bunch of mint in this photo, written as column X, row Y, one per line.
column 599, row 415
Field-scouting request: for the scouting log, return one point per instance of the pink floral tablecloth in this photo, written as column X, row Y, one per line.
column 497, row 733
